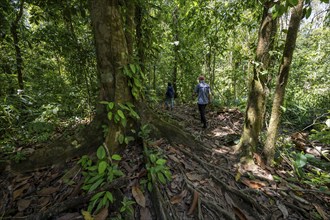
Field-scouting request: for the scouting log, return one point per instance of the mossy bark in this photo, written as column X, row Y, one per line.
column 282, row 79
column 112, row 56
column 254, row 114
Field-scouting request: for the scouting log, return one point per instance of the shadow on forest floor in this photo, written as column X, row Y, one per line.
column 206, row 182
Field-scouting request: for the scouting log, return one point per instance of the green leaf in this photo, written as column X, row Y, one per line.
column 111, row 105
column 102, row 167
column 118, row 173
column 153, row 158
column 325, row 1
column 97, row 196
column 168, row 175
column 161, row 178
column 116, row 157
column 104, row 102
column 128, row 139
column 121, row 138
column 160, row 161
column 120, row 113
column 109, row 196
column 292, row 2
column 95, row 185
column 123, row 122
column 301, row 160
column 100, row 153
column 110, row 115
column 117, row 118
column 308, row 12
column 123, row 106
column 133, row 68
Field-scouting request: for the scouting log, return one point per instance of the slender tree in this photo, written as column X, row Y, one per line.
column 254, row 115
column 14, row 31
column 282, row 80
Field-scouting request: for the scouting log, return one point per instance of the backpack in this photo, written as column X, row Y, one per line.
column 169, row 92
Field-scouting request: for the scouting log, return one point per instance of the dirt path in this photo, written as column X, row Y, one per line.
column 206, row 183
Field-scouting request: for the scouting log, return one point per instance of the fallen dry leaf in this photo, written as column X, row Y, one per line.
column 102, row 215
column 178, row 198
column 47, row 191
column 22, row 204
column 138, row 196
column 145, row 214
column 17, row 193
column 253, row 184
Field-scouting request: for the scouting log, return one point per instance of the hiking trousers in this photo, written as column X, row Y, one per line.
column 201, row 108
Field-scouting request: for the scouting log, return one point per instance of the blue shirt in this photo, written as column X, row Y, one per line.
column 203, row 90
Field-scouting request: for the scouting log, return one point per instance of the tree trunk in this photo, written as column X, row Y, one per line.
column 254, row 115
column 112, row 56
column 176, row 50
column 282, row 79
column 130, row 27
column 139, row 36
column 19, row 59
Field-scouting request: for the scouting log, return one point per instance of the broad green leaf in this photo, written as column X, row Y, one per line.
column 168, row 175
column 95, row 185
column 111, row 105
column 123, row 106
column 100, row 153
column 117, row 118
column 292, row 2
column 120, row 113
column 93, row 179
column 153, row 158
column 97, row 195
column 102, row 167
column 161, row 178
column 116, row 157
column 308, row 12
column 118, row 173
column 123, row 122
column 110, row 116
column 109, row 196
column 160, row 161
column 301, row 160
column 133, row 68
column 121, row 138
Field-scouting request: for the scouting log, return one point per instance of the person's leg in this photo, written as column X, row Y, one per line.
column 172, row 103
column 167, row 103
column 201, row 109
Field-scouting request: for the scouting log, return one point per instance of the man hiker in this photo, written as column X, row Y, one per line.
column 169, row 97
column 202, row 91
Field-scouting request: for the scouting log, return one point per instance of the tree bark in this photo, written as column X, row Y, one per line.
column 254, row 115
column 282, row 79
column 175, row 50
column 112, row 55
column 19, row 59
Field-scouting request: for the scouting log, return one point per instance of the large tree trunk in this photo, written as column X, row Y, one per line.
column 19, row 59
column 112, row 56
column 296, row 16
column 254, row 115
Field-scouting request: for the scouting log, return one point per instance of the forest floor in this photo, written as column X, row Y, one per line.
column 207, row 182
